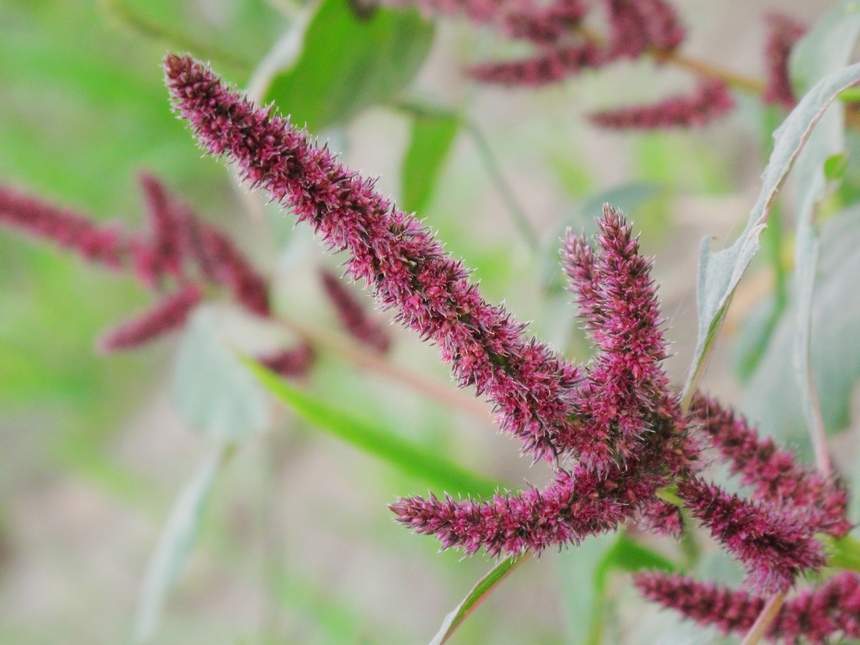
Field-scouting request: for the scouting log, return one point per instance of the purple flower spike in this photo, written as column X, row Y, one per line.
column 163, row 255
column 544, row 25
column 773, row 473
column 353, row 318
column 101, row 244
column 530, row 385
column 709, row 101
column 784, row 33
column 168, row 315
column 642, row 25
column 291, row 363
column 543, row 69
column 814, row 615
column 774, row 546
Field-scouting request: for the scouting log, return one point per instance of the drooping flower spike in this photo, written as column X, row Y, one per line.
column 783, row 35
column 544, row 68
column 618, row 417
column 710, row 100
column 639, row 26
column 815, row 614
column 352, row 315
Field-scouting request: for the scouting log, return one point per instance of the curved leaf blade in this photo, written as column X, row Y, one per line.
column 373, row 440
column 720, row 272
column 431, row 139
column 483, row 588
column 175, row 543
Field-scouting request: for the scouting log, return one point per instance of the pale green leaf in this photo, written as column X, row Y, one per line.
column 720, row 272
column 175, row 543
column 213, row 392
column 431, row 139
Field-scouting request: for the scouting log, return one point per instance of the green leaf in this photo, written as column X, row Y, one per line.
column 483, row 588
column 213, row 392
column 835, row 166
column 631, row 556
column 175, row 543
column 582, row 589
column 825, row 49
column 433, row 135
column 373, row 440
column 771, row 398
column 720, row 272
column 349, row 64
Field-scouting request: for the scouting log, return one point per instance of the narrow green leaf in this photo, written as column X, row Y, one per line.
column 431, row 140
column 483, row 588
column 720, row 272
column 583, row 592
column 213, row 393
column 175, row 543
column 373, row 440
column 349, row 63
column 631, row 556
column 827, row 46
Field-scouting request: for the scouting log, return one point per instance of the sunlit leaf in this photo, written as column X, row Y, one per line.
column 349, row 63
column 483, row 588
column 175, row 543
column 374, row 440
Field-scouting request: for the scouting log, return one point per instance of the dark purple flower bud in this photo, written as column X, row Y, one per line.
column 773, row 473
column 530, row 385
column 773, row 545
column 642, row 25
column 353, row 318
column 710, row 100
column 101, row 244
column 784, row 33
column 291, row 363
column 168, row 315
column 547, row 67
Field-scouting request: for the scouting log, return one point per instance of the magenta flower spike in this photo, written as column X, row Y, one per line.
column 353, row 318
column 774, row 545
column 168, row 315
column 642, row 25
column 773, row 473
column 530, row 384
column 546, row 67
column 710, row 100
column 544, row 25
column 295, row 362
column 163, row 254
column 815, row 614
column 33, row 217
column 784, row 33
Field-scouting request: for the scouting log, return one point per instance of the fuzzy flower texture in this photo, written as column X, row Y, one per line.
column 613, row 430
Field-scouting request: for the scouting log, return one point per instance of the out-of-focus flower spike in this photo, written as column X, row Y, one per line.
column 295, row 362
column 709, row 101
column 530, row 384
column 814, row 615
column 353, row 318
column 773, row 545
column 642, row 25
column 783, row 34
column 773, row 474
column 544, row 68
column 68, row 229
column 544, row 25
column 168, row 315
column 164, row 252
column 225, row 264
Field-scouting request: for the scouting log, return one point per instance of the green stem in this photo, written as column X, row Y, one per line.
column 514, row 209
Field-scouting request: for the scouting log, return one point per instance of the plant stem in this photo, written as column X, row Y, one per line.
column 365, row 359
column 514, row 209
column 764, row 620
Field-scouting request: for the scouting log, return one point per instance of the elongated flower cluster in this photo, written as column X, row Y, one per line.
column 710, row 100
column 783, row 35
column 642, row 25
column 814, row 614
column 180, row 255
column 617, row 420
column 353, row 317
